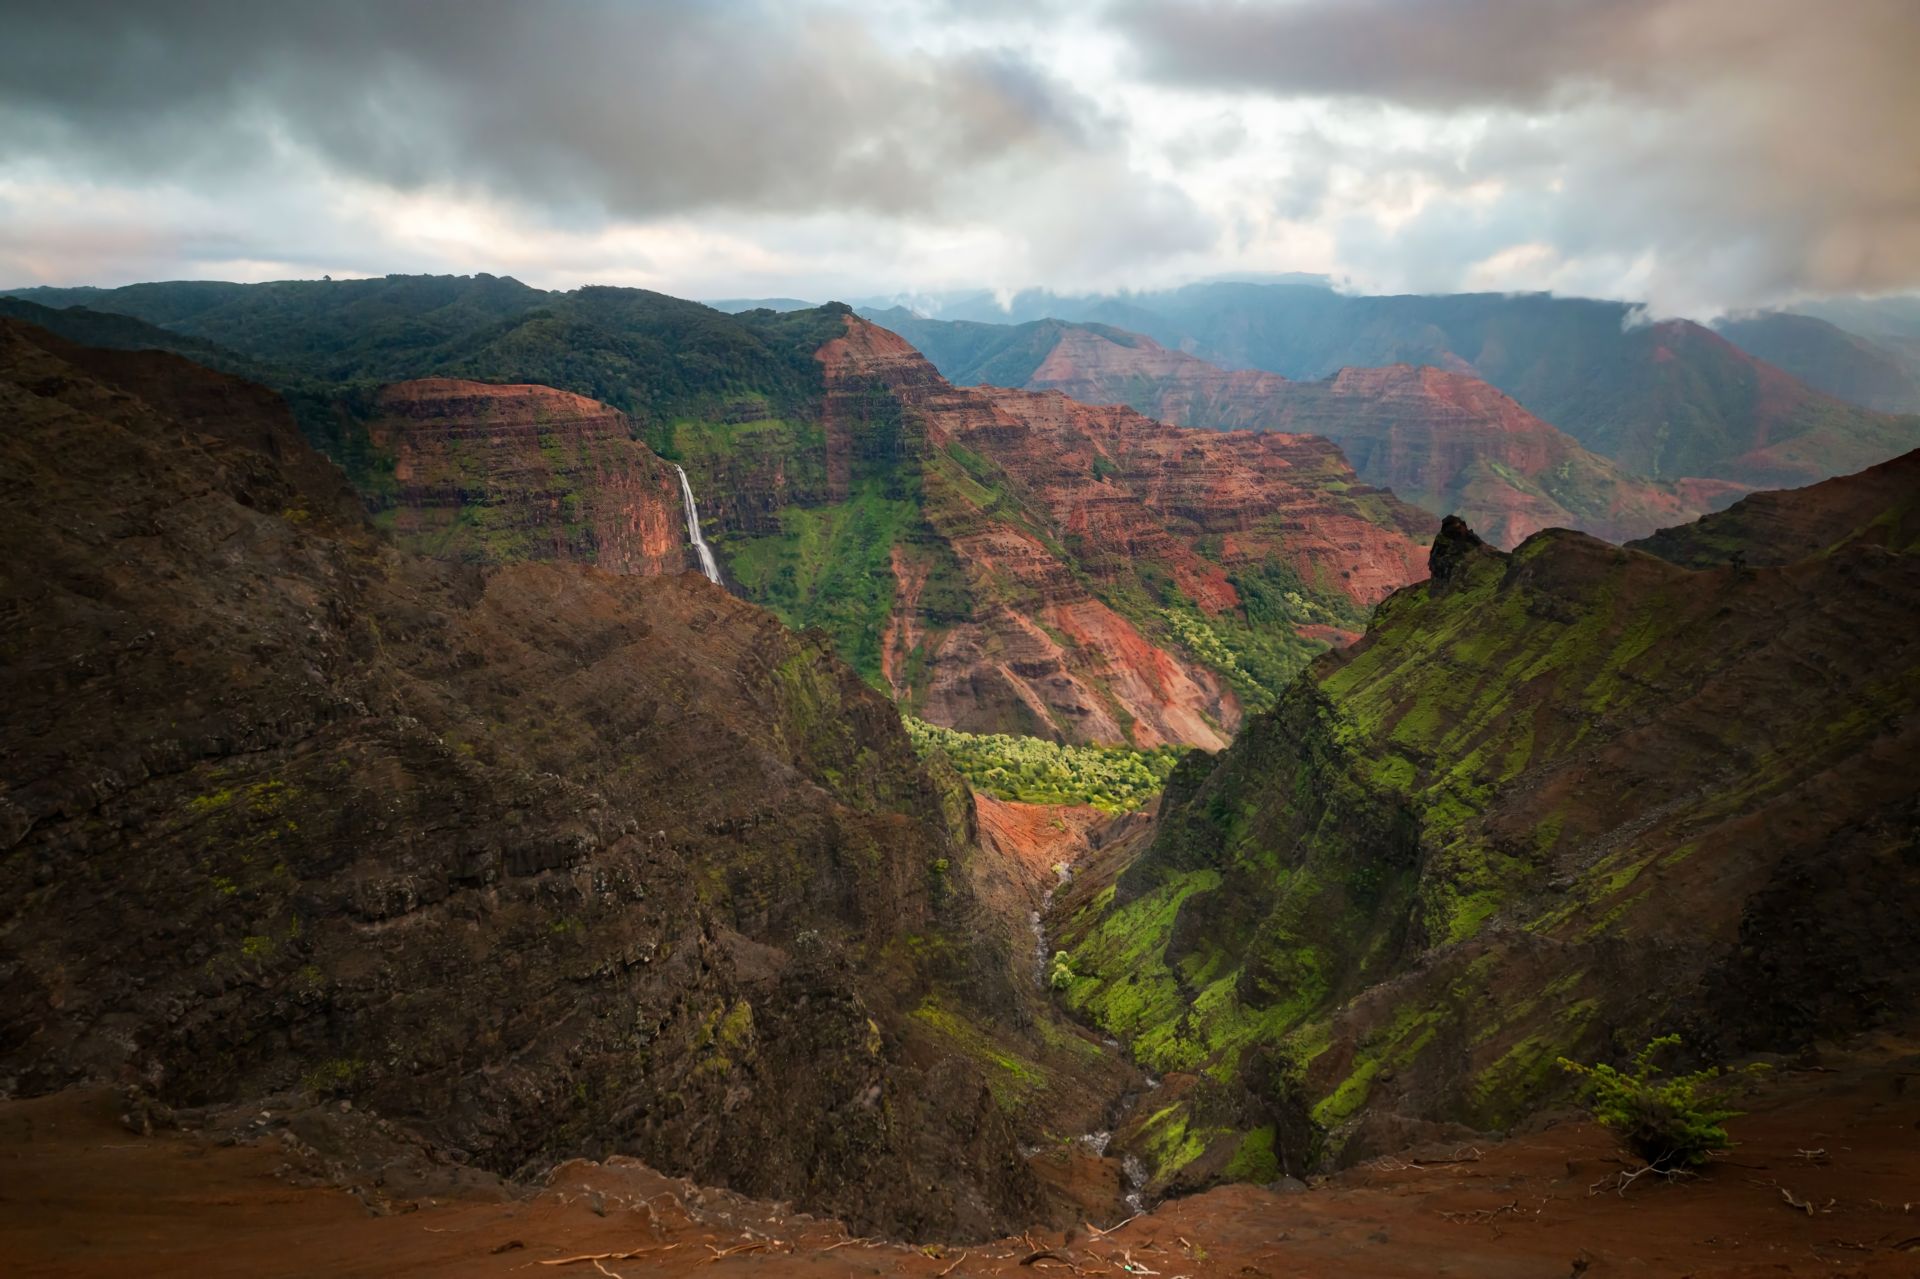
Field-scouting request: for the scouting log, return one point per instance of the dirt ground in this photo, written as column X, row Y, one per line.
column 1825, row 1180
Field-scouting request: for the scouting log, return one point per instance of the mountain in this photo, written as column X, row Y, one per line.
column 1445, row 441
column 117, row 332
column 1830, row 359
column 1883, row 319
column 843, row 483
column 1878, row 507
column 337, row 329
column 1015, row 562
column 528, row 860
column 1667, row 401
column 1556, row 802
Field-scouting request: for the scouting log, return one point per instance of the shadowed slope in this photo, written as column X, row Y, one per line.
column 534, row 860
column 1554, row 803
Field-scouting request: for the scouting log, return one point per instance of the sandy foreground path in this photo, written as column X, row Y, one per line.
column 1826, row 1181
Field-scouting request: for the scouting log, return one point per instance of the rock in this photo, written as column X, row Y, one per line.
column 559, row 476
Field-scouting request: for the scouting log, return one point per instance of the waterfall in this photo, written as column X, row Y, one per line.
column 705, row 552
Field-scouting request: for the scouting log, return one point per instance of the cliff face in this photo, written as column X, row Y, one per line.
column 1556, row 802
column 1023, row 563
column 1442, row 439
column 532, row 860
column 481, row 472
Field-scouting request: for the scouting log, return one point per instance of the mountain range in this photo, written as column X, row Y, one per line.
column 1668, row 401
column 377, row 751
column 1446, row 441
column 1142, row 593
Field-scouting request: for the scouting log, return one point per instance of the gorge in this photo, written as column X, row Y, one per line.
column 462, row 769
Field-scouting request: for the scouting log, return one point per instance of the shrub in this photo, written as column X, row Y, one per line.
column 1668, row 1122
column 1115, row 779
column 1062, row 973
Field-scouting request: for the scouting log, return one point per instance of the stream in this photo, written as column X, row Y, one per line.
column 1132, row 1171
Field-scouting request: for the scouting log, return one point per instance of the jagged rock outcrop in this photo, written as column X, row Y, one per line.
column 1555, row 802
column 531, row 859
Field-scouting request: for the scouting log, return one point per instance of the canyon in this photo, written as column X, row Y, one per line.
column 998, row 562
column 339, row 791
column 1438, row 437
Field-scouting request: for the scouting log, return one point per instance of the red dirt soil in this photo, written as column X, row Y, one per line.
column 83, row 1197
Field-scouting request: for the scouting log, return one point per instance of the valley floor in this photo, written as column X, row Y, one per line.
column 1825, row 1180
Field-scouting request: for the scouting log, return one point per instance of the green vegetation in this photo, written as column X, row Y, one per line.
column 829, row 566
column 1668, row 1123
column 1115, row 779
column 335, row 1076
column 1014, row 1079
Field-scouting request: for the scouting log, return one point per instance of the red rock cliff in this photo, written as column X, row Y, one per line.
column 1055, row 509
column 1445, row 440
column 490, row 472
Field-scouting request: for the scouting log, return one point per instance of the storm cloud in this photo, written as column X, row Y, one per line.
column 1699, row 153
column 1705, row 151
column 639, row 108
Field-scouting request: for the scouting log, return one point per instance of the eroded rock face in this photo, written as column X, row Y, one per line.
column 1440, row 438
column 492, row 473
column 532, row 859
column 1053, row 509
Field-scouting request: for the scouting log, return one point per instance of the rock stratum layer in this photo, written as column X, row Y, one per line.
column 1668, row 401
column 531, row 859
column 1007, row 561
column 495, row 473
column 1556, row 802
column 1441, row 438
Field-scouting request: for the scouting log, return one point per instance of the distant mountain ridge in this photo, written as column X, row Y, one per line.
column 1667, row 401
column 1444, row 440
column 1825, row 356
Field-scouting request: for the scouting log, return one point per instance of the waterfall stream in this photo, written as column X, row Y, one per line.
column 700, row 547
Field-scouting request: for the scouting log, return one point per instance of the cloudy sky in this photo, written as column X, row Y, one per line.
column 1697, row 154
